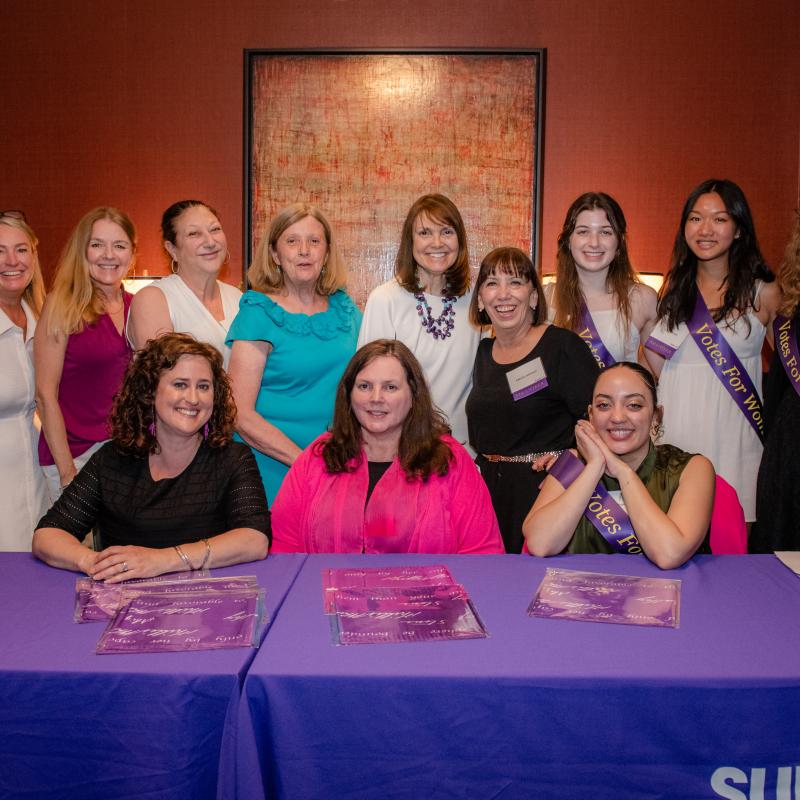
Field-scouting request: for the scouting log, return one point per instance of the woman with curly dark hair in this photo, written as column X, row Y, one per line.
column 170, row 492
column 388, row 478
column 715, row 307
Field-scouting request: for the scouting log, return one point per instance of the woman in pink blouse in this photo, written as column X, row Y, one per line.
column 80, row 351
column 388, row 478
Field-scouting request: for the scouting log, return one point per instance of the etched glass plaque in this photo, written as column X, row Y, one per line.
column 601, row 597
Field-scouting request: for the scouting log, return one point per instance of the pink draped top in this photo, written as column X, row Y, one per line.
column 319, row 512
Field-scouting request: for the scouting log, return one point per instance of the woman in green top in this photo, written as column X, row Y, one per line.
column 667, row 494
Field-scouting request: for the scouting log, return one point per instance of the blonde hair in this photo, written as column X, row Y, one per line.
column 74, row 300
column 266, row 276
column 34, row 291
column 789, row 272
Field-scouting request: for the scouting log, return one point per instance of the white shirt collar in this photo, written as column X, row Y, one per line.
column 6, row 323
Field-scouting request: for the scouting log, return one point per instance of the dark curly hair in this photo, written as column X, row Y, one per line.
column 134, row 404
column 422, row 450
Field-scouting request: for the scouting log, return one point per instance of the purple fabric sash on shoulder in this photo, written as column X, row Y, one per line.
column 785, row 331
column 725, row 365
column 609, row 519
column 662, row 348
column 588, row 332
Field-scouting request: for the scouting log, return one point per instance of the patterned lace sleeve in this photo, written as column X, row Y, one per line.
column 76, row 510
column 246, row 503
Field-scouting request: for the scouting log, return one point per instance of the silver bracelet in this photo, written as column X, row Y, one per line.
column 207, row 557
column 527, row 458
column 184, row 558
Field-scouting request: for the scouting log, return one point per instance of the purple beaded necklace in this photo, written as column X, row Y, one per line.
column 442, row 326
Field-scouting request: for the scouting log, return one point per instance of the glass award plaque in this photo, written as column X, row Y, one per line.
column 156, row 622
column 98, row 601
column 601, row 597
column 453, row 618
column 381, row 577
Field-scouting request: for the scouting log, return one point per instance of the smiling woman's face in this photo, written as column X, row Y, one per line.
column 200, row 243
column 434, row 247
column 16, row 263
column 593, row 244
column 109, row 253
column 622, row 412
column 709, row 229
column 184, row 398
column 381, row 398
column 301, row 251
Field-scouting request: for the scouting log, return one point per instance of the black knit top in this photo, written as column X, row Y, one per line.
column 115, row 494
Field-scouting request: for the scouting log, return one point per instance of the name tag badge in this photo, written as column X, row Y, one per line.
column 527, row 379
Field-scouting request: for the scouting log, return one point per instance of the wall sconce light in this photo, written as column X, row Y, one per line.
column 137, row 282
column 652, row 279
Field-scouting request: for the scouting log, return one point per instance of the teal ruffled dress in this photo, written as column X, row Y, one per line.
column 308, row 356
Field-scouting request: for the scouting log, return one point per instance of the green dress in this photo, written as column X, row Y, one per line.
column 660, row 472
column 308, row 356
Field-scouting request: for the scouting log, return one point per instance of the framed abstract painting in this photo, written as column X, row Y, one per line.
column 362, row 134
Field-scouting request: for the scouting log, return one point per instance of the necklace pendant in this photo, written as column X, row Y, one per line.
column 440, row 327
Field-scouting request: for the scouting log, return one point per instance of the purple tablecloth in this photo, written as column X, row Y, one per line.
column 543, row 708
column 78, row 725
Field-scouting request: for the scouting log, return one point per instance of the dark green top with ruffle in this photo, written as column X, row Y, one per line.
column 660, row 472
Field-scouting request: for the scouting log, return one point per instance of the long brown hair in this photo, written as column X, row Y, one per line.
column 443, row 210
column 620, row 277
column 789, row 273
column 422, row 451
column 134, row 405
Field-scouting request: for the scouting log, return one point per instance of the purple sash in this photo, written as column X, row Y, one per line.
column 786, row 345
column 609, row 519
column 588, row 332
column 662, row 348
column 725, row 365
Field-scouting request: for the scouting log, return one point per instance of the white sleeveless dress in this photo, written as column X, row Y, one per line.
column 608, row 324
column 699, row 414
column 623, row 347
column 189, row 315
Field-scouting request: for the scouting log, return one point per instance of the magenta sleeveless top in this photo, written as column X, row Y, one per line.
column 94, row 365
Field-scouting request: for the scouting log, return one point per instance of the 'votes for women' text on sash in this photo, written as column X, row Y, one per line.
column 724, row 363
column 609, row 519
column 588, row 332
column 786, row 344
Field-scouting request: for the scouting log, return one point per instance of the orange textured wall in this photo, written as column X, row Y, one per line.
column 139, row 103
